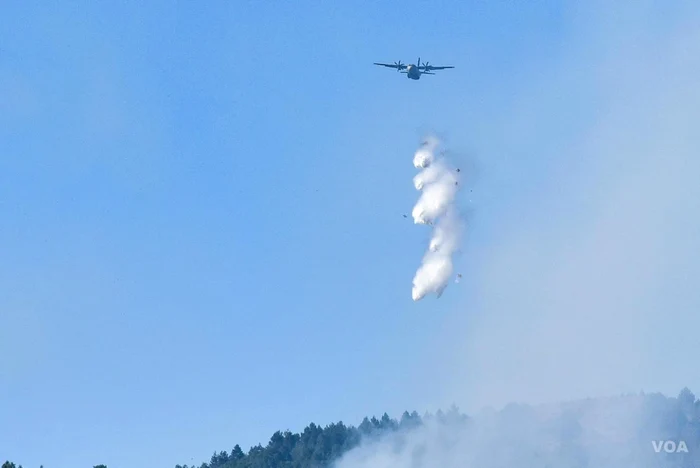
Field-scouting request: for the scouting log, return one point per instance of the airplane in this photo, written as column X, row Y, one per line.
column 412, row 71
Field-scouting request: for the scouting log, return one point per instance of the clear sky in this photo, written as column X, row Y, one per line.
column 201, row 230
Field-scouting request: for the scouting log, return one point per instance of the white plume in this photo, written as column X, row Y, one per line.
column 438, row 183
column 426, row 153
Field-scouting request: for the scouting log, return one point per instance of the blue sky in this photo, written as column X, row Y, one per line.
column 202, row 238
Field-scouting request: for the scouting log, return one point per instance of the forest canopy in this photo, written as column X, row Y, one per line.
column 660, row 419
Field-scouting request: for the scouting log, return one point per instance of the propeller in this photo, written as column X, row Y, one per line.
column 427, row 67
column 398, row 65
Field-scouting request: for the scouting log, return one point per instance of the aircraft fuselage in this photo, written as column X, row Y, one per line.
column 413, row 72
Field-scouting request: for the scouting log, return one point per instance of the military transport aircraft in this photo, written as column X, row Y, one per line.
column 413, row 71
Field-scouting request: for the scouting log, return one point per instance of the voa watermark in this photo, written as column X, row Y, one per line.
column 669, row 446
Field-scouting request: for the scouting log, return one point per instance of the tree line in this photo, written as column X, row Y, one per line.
column 319, row 447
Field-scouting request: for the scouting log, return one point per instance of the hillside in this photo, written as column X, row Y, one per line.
column 629, row 431
column 622, row 431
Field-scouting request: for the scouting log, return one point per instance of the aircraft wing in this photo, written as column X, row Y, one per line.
column 398, row 66
column 431, row 68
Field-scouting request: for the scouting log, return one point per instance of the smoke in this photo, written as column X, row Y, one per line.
column 438, row 184
column 614, row 432
column 586, row 285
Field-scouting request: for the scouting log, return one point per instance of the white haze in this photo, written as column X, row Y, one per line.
column 597, row 433
column 600, row 295
column 438, row 184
